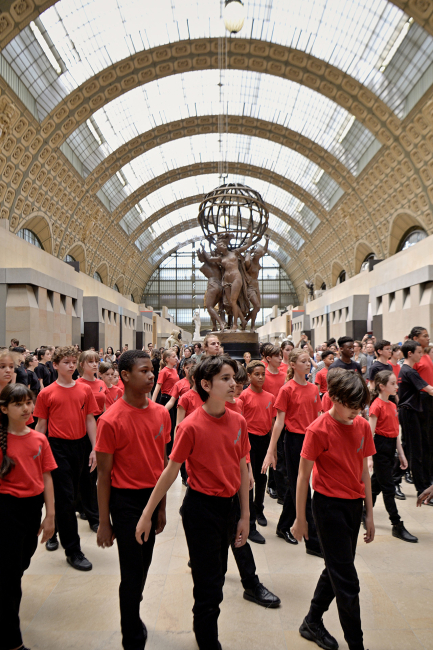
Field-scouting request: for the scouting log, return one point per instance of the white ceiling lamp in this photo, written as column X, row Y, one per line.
column 234, row 16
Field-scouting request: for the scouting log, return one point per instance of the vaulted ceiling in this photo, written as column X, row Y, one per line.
column 109, row 115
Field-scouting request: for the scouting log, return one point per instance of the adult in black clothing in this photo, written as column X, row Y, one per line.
column 30, row 364
column 42, row 372
column 409, row 408
column 156, row 360
column 347, row 350
column 383, row 352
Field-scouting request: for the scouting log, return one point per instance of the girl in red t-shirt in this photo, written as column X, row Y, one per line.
column 298, row 405
column 113, row 393
column 26, row 463
column 336, row 447
column 384, row 426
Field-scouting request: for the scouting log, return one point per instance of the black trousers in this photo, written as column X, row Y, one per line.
column 87, row 493
column 244, row 556
column 20, row 520
column 72, row 459
column 426, row 422
column 164, row 398
column 280, row 473
column 293, row 446
column 411, row 426
column 382, row 479
column 259, row 447
column 126, row 507
column 209, row 523
column 338, row 522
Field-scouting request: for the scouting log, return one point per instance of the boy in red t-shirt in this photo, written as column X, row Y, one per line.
column 130, row 448
column 113, row 393
column 336, row 447
column 320, row 379
column 257, row 409
column 214, row 442
column 67, row 409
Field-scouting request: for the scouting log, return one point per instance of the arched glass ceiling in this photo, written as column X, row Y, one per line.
column 195, row 185
column 246, row 94
column 205, row 148
column 184, row 215
column 354, row 35
column 196, row 233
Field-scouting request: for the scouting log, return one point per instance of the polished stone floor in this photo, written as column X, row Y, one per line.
column 63, row 609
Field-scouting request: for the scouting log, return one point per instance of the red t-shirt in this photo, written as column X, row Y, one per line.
column 424, row 368
column 273, row 383
column 212, row 448
column 326, row 402
column 396, row 368
column 136, row 438
column 338, row 451
column 387, row 417
column 30, row 420
column 180, row 388
column 235, row 406
column 99, row 391
column 301, row 405
column 32, row 456
column 66, row 409
column 190, row 401
column 320, row 380
column 112, row 395
column 167, row 378
column 258, row 410
column 121, row 387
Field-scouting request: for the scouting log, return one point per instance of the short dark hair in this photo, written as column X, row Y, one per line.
column 188, row 362
column 416, row 331
column 396, row 347
column 41, row 353
column 345, row 339
column 197, row 345
column 330, row 342
column 272, row 350
column 349, row 389
column 379, row 345
column 241, row 376
column 208, row 369
column 254, row 364
column 128, row 358
column 410, row 346
column 327, row 353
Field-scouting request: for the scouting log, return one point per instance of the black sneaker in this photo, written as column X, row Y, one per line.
column 272, row 493
column 79, row 561
column 261, row 520
column 262, row 596
column 408, row 478
column 52, row 544
column 399, row 494
column 83, row 516
column 256, row 537
column 399, row 531
column 318, row 633
column 94, row 527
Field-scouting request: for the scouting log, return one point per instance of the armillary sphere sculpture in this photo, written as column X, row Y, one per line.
column 234, row 219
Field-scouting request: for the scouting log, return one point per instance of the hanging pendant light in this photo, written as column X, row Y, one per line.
column 234, row 15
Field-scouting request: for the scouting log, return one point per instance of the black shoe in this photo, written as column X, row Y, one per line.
column 399, row 494
column 262, row 596
column 94, row 527
column 313, row 551
column 287, row 536
column 189, row 563
column 318, row 633
column 408, row 478
column 79, row 561
column 83, row 516
column 256, row 537
column 261, row 520
column 272, row 493
column 52, row 544
column 280, row 501
column 184, row 482
column 399, row 531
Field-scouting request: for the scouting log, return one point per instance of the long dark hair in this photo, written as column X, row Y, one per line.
column 11, row 394
column 380, row 379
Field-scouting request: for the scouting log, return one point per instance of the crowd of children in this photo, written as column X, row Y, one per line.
column 83, row 441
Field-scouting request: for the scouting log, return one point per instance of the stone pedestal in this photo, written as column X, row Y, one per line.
column 236, row 343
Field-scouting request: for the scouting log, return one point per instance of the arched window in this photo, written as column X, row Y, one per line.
column 69, row 258
column 342, row 277
column 116, row 288
column 411, row 237
column 30, row 237
column 364, row 265
column 97, row 277
column 323, row 287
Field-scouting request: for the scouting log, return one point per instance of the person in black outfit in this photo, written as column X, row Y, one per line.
column 30, row 363
column 347, row 350
column 18, row 354
column 409, row 407
column 42, row 372
column 156, row 360
column 383, row 352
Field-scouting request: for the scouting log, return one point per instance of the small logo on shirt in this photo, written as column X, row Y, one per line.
column 270, row 402
column 239, row 436
column 100, row 389
column 361, row 445
column 39, row 452
column 82, row 408
column 160, row 432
